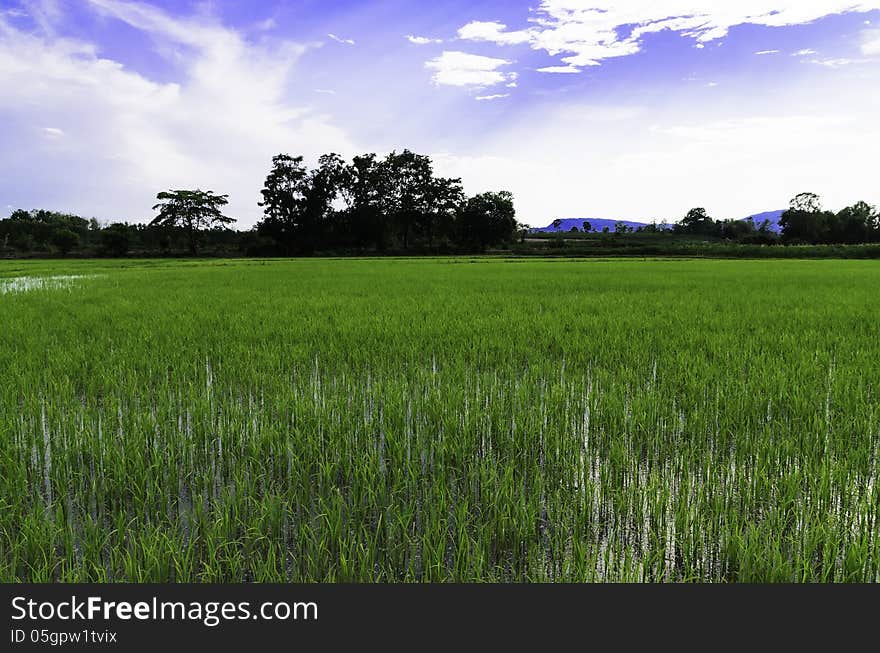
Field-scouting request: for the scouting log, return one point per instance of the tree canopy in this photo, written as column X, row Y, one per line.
column 194, row 211
column 371, row 203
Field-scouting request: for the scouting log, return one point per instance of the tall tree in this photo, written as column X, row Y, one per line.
column 284, row 193
column 804, row 221
column 855, row 224
column 488, row 219
column 193, row 211
column 443, row 199
column 365, row 221
column 697, row 222
column 325, row 186
column 405, row 186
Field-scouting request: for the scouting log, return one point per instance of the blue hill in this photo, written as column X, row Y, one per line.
column 772, row 217
column 598, row 225
column 578, row 223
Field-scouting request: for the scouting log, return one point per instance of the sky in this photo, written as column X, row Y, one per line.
column 636, row 110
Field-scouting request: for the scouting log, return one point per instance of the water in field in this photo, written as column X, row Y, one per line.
column 29, row 283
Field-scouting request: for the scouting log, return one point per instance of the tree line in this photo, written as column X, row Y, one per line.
column 378, row 204
column 395, row 204
column 804, row 223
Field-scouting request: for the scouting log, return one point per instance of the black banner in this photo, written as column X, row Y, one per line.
column 290, row 617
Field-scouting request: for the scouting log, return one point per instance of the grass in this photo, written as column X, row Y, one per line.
column 440, row 420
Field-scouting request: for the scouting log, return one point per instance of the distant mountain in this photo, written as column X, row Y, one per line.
column 770, row 216
column 598, row 224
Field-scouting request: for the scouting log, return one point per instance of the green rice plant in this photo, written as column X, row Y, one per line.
column 435, row 420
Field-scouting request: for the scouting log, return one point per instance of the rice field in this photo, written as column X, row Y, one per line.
column 440, row 420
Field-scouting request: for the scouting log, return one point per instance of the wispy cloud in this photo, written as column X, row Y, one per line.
column 587, row 33
column 267, row 24
column 763, row 52
column 871, row 42
column 341, row 40
column 497, row 96
column 14, row 12
column 806, row 52
column 835, row 63
column 422, row 40
column 454, row 68
column 560, row 69
column 216, row 126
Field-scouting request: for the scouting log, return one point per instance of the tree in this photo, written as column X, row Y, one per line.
column 365, row 222
column 323, row 187
column 115, row 239
column 193, row 211
column 488, row 219
column 806, row 203
column 557, row 223
column 805, row 221
column 855, row 224
column 65, row 239
column 622, row 228
column 406, row 190
column 284, row 193
column 444, row 197
column 698, row 222
column 587, row 227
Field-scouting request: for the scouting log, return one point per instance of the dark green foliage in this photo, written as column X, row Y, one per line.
column 116, row 239
column 396, row 203
column 193, row 211
column 65, row 239
column 487, row 219
column 806, row 222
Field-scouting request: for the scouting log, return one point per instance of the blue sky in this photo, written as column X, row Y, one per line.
column 581, row 108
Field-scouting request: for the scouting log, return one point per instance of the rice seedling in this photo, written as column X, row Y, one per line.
column 440, row 420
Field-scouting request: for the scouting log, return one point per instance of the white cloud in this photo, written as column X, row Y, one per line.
column 560, row 69
column 53, row 132
column 494, row 32
column 267, row 24
column 341, row 40
column 835, row 63
column 422, row 40
column 462, row 69
column 871, row 42
column 44, row 13
column 763, row 52
column 216, row 126
column 325, row 91
column 587, row 32
column 804, row 53
column 497, row 96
